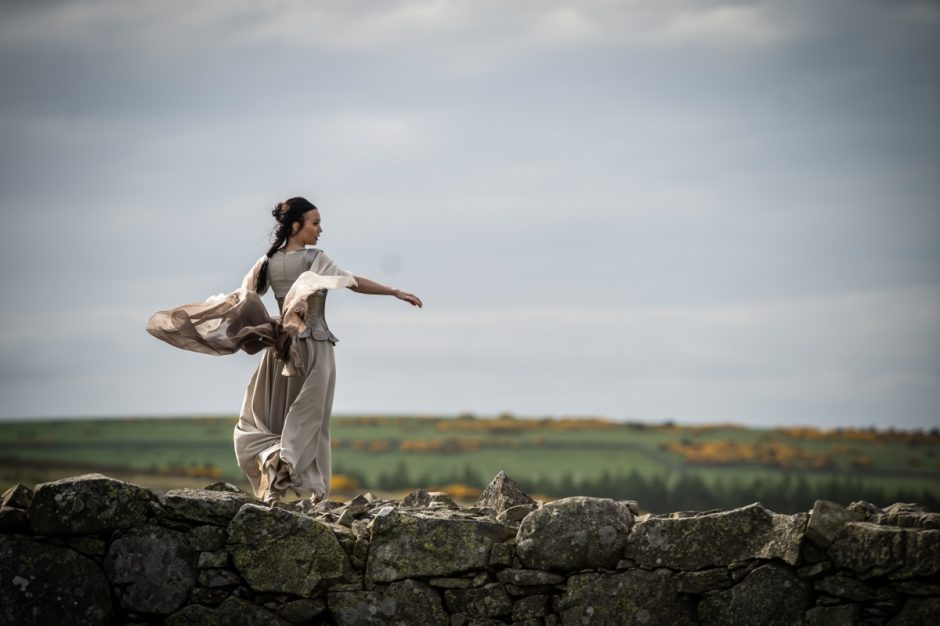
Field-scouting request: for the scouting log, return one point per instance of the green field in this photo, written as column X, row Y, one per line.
column 665, row 467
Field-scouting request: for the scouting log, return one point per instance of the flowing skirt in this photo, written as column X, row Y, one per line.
column 282, row 439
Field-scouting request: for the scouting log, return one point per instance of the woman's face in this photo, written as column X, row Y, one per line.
column 311, row 230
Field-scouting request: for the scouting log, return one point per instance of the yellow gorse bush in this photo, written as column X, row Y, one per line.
column 341, row 483
column 728, row 452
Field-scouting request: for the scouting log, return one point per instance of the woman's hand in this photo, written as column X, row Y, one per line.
column 407, row 297
column 366, row 285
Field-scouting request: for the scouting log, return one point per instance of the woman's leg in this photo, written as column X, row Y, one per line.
column 305, row 439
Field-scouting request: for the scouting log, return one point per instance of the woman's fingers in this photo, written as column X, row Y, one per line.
column 410, row 297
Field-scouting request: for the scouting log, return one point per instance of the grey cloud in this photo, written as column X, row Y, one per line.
column 359, row 25
column 686, row 163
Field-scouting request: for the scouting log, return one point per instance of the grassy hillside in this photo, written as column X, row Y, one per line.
column 665, row 467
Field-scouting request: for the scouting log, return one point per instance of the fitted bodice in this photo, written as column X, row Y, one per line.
column 285, row 267
column 283, row 270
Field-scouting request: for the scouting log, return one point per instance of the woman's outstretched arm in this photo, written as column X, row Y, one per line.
column 368, row 286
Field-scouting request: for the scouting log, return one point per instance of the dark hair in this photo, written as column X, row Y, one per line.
column 286, row 213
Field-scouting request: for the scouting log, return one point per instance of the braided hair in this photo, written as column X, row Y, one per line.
column 286, row 214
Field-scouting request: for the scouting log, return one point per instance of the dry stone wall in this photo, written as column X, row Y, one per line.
column 94, row 550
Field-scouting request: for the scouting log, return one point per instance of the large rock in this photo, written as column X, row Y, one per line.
column 838, row 615
column 151, row 568
column 13, row 520
column 18, row 496
column 845, row 587
column 208, row 538
column 864, row 547
column 233, row 612
column 630, row 597
column 205, row 505
column 405, row 602
column 531, row 608
column 771, row 595
column 574, row 533
column 417, row 499
column 927, row 520
column 826, row 520
column 285, row 552
column 786, row 538
column 905, row 514
column 487, row 601
column 87, row 504
column 503, row 493
column 193, row 614
column 301, row 611
column 403, row 545
column 923, row 554
column 866, row 509
column 917, row 611
column 693, row 543
column 42, row 584
column 872, row 550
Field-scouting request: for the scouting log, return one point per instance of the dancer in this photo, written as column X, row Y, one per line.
column 282, row 439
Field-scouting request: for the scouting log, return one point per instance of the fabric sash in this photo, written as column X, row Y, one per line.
column 226, row 323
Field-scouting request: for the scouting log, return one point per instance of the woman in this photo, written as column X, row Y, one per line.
column 282, row 439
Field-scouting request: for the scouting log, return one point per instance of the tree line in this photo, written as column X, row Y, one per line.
column 791, row 492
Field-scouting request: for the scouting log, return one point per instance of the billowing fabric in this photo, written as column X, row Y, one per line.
column 222, row 324
column 226, row 323
column 282, row 439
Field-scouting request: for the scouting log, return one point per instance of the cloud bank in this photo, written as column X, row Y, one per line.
column 691, row 210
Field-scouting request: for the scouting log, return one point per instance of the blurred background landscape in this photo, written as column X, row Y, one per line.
column 665, row 467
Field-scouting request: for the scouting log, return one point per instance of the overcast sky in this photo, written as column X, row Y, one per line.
column 703, row 211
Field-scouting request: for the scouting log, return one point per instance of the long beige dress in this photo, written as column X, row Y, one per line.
column 282, row 439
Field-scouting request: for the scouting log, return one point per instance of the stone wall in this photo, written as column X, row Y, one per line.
column 94, row 550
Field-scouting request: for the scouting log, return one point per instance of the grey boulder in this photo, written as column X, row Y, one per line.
column 574, row 533
column 406, row 602
column 503, row 493
column 285, row 552
column 18, row 496
column 43, row 584
column 872, row 550
column 151, row 568
column 87, row 504
column 771, row 595
column 205, row 505
column 403, row 545
column 233, row 612
column 487, row 601
column 716, row 539
column 826, row 520
column 631, row 597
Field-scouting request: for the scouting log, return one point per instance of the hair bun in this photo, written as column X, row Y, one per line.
column 278, row 210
